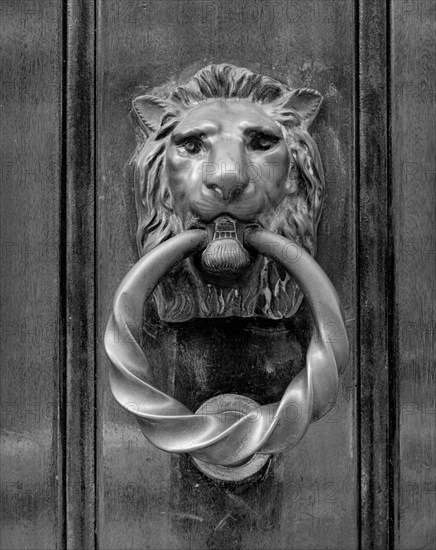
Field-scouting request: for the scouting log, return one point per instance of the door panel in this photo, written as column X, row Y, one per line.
column 414, row 228
column 30, row 270
column 145, row 496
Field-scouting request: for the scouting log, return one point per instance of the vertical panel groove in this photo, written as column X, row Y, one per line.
column 374, row 269
column 356, row 244
column 63, row 285
column 80, row 265
column 95, row 271
column 392, row 374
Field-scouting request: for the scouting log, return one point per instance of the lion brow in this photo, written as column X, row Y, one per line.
column 194, row 131
column 166, row 130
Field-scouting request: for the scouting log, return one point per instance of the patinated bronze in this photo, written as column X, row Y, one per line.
column 229, row 188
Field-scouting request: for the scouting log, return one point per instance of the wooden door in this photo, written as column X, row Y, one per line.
column 76, row 470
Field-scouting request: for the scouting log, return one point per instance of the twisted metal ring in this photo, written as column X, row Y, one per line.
column 217, row 438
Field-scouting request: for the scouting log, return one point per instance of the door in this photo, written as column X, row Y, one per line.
column 76, row 469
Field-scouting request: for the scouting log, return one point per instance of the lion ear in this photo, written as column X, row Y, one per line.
column 306, row 102
column 149, row 110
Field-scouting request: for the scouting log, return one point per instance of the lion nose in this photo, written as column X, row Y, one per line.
column 226, row 191
column 226, row 177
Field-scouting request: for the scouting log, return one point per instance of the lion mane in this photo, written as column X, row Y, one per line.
column 184, row 295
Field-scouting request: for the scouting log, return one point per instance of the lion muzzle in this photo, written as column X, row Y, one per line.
column 224, row 254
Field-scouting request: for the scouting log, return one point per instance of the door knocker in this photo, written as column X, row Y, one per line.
column 229, row 188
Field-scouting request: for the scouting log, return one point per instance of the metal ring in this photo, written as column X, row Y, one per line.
column 226, row 440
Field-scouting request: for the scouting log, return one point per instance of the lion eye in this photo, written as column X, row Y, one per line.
column 262, row 142
column 192, row 146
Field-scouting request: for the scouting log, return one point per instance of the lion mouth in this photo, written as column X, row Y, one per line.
column 225, row 254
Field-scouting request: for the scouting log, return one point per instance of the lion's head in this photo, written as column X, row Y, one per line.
column 228, row 149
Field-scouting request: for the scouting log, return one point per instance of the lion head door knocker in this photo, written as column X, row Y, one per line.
column 229, row 188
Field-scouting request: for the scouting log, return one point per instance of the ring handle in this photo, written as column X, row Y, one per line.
column 214, row 437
